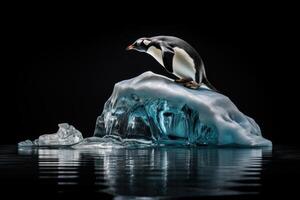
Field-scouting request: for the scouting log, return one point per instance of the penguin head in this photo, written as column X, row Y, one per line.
column 141, row 45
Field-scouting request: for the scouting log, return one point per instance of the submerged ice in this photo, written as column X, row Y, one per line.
column 154, row 108
column 66, row 135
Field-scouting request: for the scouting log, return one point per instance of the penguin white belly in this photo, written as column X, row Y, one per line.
column 183, row 64
column 156, row 54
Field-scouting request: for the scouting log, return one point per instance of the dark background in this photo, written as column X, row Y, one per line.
column 62, row 63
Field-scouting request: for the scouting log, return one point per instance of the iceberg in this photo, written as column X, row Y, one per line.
column 65, row 136
column 152, row 107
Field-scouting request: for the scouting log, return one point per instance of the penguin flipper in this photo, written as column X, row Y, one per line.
column 167, row 57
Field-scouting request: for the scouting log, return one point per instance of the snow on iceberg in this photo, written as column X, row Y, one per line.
column 155, row 108
column 66, row 135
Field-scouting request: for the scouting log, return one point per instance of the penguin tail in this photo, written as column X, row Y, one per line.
column 206, row 82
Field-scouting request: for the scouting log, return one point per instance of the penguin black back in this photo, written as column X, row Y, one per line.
column 177, row 42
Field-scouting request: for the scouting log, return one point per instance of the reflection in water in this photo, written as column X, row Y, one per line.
column 66, row 162
column 153, row 172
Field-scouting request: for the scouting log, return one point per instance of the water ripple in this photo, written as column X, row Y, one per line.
column 147, row 173
column 156, row 171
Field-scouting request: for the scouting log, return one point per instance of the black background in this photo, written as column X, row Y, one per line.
column 61, row 63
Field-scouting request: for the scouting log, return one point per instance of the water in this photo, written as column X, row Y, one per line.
column 169, row 172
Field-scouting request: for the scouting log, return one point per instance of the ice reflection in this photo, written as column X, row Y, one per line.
column 58, row 164
column 156, row 172
column 180, row 171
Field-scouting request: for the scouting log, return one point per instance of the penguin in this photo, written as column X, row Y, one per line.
column 177, row 57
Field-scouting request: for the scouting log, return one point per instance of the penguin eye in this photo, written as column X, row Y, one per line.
column 139, row 42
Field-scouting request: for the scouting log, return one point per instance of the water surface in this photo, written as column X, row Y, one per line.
column 168, row 172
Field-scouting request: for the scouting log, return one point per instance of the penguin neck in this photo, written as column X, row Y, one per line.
column 156, row 54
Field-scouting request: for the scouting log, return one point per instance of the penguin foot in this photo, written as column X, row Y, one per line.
column 182, row 80
column 192, row 85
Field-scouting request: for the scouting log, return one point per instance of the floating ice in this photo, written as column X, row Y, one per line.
column 111, row 141
column 66, row 135
column 153, row 108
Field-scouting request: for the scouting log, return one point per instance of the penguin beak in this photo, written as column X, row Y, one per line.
column 130, row 47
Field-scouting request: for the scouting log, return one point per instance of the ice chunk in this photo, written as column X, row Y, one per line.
column 111, row 141
column 155, row 108
column 97, row 142
column 66, row 135
column 26, row 143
